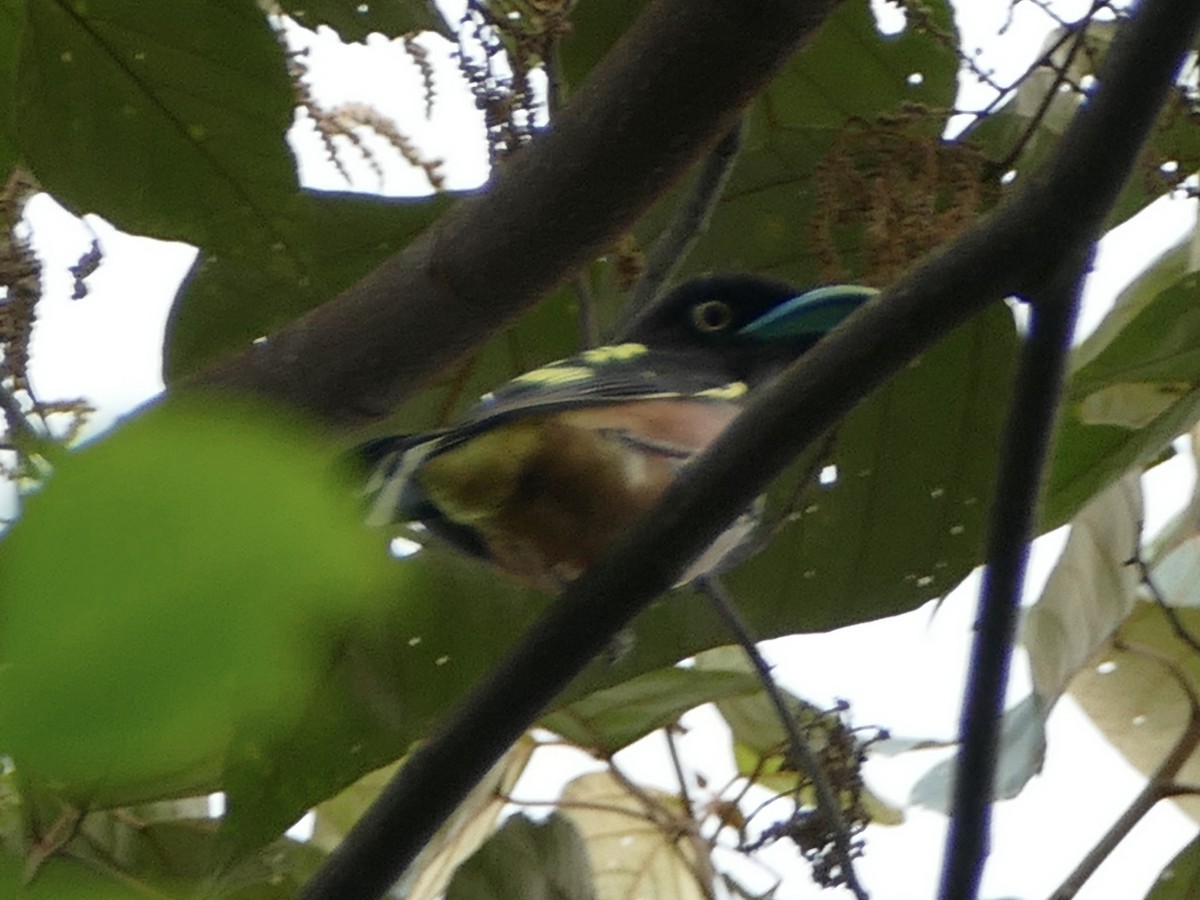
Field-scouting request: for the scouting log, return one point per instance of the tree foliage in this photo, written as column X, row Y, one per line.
column 189, row 604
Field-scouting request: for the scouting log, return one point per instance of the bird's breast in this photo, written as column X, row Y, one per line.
column 549, row 494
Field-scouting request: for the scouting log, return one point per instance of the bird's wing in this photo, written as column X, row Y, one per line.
column 601, row 377
column 598, row 377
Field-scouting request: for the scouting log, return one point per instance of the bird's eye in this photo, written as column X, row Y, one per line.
column 712, row 315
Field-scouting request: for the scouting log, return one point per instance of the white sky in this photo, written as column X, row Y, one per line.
column 905, row 673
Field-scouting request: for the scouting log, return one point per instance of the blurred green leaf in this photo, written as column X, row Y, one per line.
column 447, row 624
column 532, row 860
column 1156, row 351
column 60, row 879
column 608, row 720
column 1180, row 880
column 12, row 23
column 354, row 20
column 228, row 300
column 175, row 591
column 168, row 119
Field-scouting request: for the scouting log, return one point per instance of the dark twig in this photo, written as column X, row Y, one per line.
column 685, row 797
column 589, row 325
column 1173, row 619
column 1015, row 248
column 1060, row 76
column 828, row 807
column 1023, row 456
column 1160, row 786
column 671, row 247
column 1080, row 39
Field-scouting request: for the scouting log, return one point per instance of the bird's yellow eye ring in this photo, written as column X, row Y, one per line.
column 712, row 315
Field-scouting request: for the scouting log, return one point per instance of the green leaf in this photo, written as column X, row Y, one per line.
column 1091, row 589
column 1154, row 362
column 61, row 879
column 851, row 70
column 1180, row 880
column 531, row 860
column 639, row 840
column 228, row 300
column 397, row 674
column 167, row 119
column 922, row 451
column 608, row 720
column 1136, row 700
column 175, row 591
column 595, row 27
column 1028, row 123
column 354, row 20
column 12, row 23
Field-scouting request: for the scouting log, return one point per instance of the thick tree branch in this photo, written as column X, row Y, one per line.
column 1014, row 251
column 673, row 84
column 1027, row 440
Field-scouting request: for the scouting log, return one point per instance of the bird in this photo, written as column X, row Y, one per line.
column 546, row 471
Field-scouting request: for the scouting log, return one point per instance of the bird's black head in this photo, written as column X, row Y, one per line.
column 753, row 325
column 707, row 311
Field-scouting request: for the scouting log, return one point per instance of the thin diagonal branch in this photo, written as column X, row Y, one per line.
column 828, row 806
column 671, row 247
column 1026, row 448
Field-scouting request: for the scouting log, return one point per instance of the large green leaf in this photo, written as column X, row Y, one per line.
column 227, row 300
column 168, row 119
column 354, row 20
column 904, row 519
column 174, row 593
column 1133, row 396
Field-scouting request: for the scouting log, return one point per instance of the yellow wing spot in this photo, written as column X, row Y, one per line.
column 731, row 391
column 553, row 375
column 615, row 353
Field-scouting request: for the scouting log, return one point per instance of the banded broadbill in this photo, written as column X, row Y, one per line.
column 545, row 471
